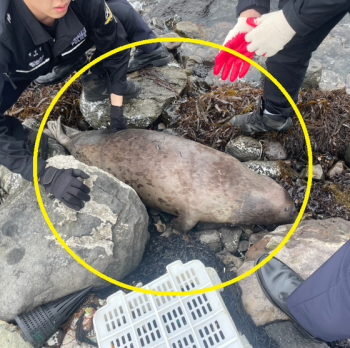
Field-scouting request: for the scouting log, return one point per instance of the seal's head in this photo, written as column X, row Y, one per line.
column 283, row 207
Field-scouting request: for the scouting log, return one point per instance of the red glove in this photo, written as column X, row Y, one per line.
column 236, row 41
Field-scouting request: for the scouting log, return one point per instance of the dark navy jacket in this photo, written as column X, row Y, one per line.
column 28, row 51
column 302, row 15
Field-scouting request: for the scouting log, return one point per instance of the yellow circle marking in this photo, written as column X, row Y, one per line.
column 171, row 293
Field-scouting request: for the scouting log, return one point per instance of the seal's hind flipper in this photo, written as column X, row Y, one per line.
column 55, row 128
column 184, row 223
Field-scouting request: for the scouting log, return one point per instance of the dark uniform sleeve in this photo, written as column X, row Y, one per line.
column 14, row 154
column 306, row 15
column 262, row 6
column 107, row 34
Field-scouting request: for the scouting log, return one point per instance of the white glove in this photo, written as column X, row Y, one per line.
column 240, row 27
column 272, row 33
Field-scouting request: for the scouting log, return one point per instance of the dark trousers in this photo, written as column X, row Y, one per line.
column 134, row 26
column 322, row 303
column 289, row 67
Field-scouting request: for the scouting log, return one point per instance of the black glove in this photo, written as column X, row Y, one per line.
column 62, row 183
column 117, row 119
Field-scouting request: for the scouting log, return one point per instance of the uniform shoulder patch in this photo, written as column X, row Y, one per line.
column 108, row 14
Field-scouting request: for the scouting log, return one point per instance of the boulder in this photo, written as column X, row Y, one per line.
column 160, row 86
column 11, row 336
column 312, row 244
column 109, row 233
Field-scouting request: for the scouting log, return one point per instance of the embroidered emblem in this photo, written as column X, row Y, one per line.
column 108, row 14
column 9, row 18
column 79, row 38
column 35, row 53
column 36, row 62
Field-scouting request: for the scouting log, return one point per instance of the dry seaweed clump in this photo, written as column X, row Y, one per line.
column 204, row 118
column 35, row 100
column 326, row 115
column 327, row 119
column 326, row 200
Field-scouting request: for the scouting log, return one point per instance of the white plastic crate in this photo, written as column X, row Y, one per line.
column 139, row 320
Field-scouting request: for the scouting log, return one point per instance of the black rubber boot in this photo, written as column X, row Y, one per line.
column 158, row 57
column 258, row 121
column 278, row 281
column 60, row 72
column 96, row 88
column 30, row 138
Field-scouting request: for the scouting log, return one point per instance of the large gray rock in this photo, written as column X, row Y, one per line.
column 109, row 233
column 312, row 244
column 160, row 86
column 11, row 336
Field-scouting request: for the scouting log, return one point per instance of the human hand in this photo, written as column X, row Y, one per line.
column 65, row 186
column 236, row 41
column 271, row 34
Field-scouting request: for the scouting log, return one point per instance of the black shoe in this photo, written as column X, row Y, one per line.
column 30, row 138
column 158, row 57
column 278, row 281
column 258, row 121
column 60, row 72
column 96, row 88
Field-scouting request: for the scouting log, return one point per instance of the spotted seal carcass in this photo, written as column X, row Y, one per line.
column 181, row 177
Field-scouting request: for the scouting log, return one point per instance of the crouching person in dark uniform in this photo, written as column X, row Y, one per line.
column 38, row 35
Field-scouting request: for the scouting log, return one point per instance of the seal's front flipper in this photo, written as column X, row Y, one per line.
column 184, row 223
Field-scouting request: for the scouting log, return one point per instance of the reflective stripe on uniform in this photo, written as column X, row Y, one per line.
column 38, row 66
